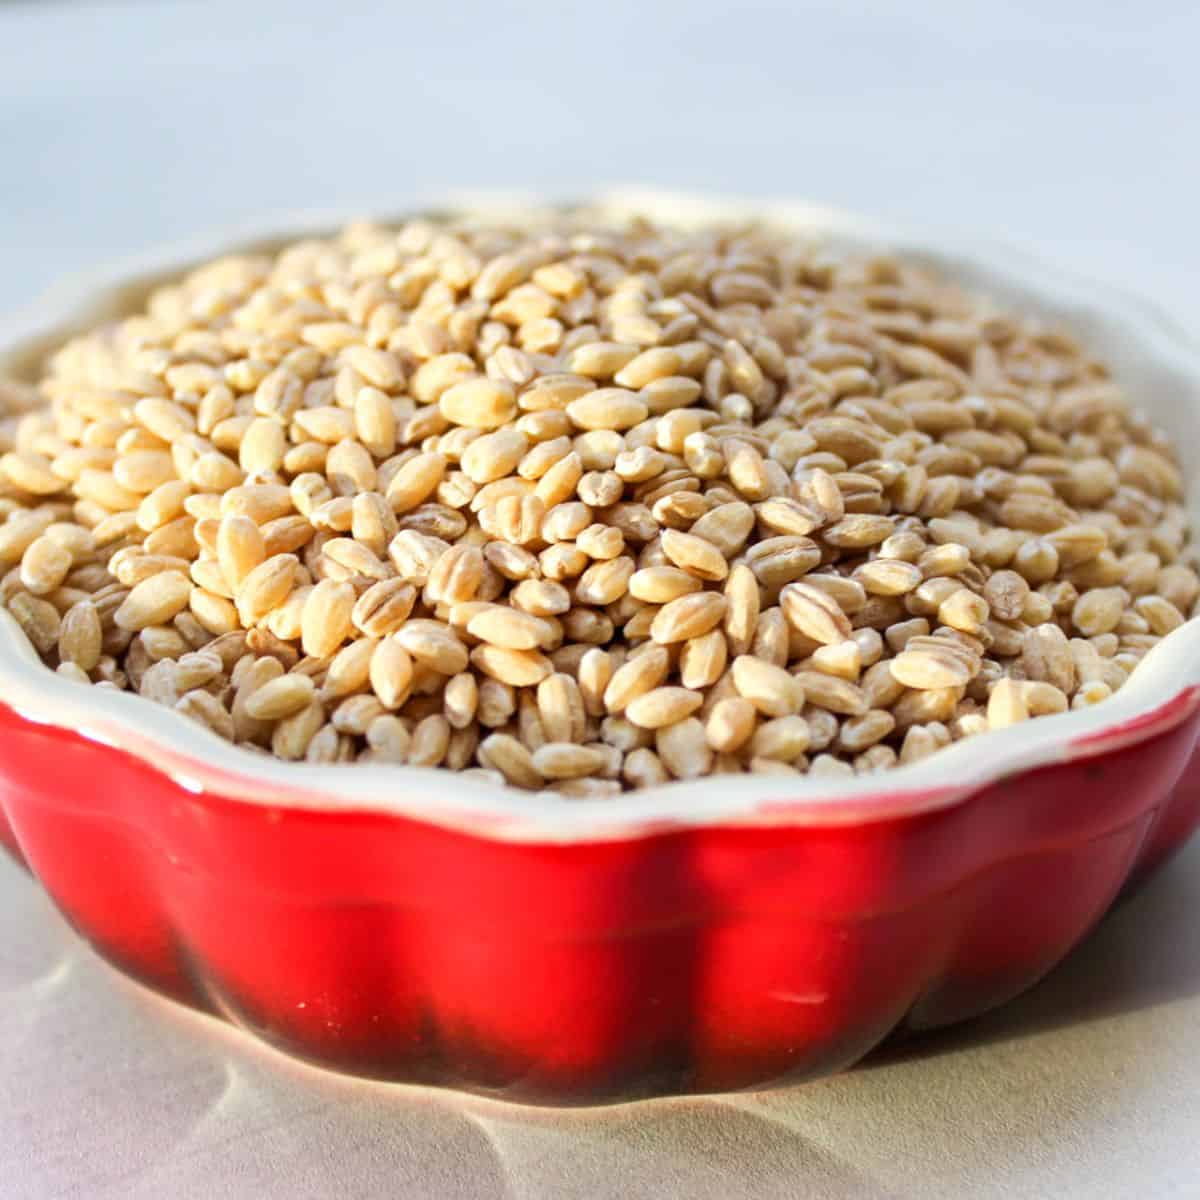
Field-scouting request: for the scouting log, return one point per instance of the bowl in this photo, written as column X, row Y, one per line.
column 734, row 932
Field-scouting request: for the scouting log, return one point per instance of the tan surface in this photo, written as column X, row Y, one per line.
column 1089, row 1087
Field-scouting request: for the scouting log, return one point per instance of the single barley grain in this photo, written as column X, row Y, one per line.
column 280, row 698
column 783, row 739
column 683, row 750
column 663, row 706
column 79, row 636
column 772, row 690
column 565, row 760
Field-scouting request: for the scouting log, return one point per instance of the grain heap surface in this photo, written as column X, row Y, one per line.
column 587, row 508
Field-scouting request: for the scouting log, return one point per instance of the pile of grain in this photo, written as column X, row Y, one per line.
column 587, row 508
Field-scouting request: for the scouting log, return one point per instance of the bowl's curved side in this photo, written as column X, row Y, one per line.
column 698, row 959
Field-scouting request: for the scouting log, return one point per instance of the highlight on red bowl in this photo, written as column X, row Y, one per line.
column 409, row 925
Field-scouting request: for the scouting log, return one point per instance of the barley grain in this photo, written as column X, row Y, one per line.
column 805, row 515
column 154, row 601
column 813, row 613
column 79, row 636
column 694, row 555
column 280, row 698
column 565, row 760
column 44, row 565
column 688, row 617
column 683, row 750
column 663, row 706
column 390, row 671
column 771, row 689
column 327, row 619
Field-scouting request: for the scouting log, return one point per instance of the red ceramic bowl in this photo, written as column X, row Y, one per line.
column 412, row 925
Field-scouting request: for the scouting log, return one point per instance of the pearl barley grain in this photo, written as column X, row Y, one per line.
column 584, row 508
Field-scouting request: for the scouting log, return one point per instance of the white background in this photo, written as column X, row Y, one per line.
column 1071, row 125
column 1066, row 127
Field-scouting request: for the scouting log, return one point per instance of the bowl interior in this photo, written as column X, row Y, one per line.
column 1156, row 363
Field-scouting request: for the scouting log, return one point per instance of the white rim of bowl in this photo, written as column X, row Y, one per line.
column 199, row 761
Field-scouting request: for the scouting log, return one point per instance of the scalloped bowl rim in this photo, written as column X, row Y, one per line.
column 1162, row 691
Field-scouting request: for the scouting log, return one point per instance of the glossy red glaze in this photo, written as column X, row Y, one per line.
column 692, row 959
